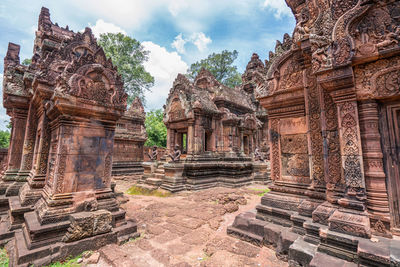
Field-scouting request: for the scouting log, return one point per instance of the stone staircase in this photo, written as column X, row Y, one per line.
column 158, row 175
column 154, row 179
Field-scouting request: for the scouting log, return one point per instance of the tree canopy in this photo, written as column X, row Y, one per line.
column 221, row 66
column 27, row 62
column 128, row 55
column 5, row 136
column 156, row 130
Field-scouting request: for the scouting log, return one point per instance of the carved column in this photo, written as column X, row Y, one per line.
column 31, row 191
column 313, row 114
column 332, row 157
column 352, row 161
column 377, row 202
column 316, row 191
column 351, row 218
column 274, row 149
column 241, row 141
column 190, row 138
column 29, row 144
column 19, row 117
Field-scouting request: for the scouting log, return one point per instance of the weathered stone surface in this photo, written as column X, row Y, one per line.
column 64, row 109
column 331, row 119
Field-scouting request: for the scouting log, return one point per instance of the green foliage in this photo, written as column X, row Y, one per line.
column 4, row 139
column 261, row 191
column 156, row 130
column 3, row 258
column 134, row 190
column 128, row 55
column 220, row 65
column 5, row 136
column 69, row 262
column 27, row 62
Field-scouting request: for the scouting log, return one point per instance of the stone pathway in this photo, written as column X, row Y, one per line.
column 188, row 229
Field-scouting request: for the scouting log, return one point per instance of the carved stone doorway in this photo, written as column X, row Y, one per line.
column 391, row 148
column 246, row 145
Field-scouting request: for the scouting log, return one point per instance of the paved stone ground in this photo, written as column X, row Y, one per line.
column 188, row 229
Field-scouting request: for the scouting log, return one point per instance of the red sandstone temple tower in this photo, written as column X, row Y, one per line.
column 217, row 129
column 332, row 95
column 65, row 150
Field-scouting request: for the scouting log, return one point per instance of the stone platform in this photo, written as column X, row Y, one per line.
column 316, row 245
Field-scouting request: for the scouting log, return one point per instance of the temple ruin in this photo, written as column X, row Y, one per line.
column 129, row 139
column 320, row 117
column 215, row 131
column 56, row 195
column 332, row 95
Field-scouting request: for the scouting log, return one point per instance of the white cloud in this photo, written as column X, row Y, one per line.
column 199, row 39
column 179, row 44
column 279, row 7
column 176, row 6
column 164, row 66
column 104, row 27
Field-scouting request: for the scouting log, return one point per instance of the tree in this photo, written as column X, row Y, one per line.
column 5, row 136
column 128, row 55
column 220, row 65
column 27, row 62
column 156, row 130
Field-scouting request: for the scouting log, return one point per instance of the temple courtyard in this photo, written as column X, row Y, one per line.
column 188, row 229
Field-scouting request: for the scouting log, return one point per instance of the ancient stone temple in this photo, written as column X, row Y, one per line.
column 64, row 109
column 215, row 129
column 333, row 100
column 129, row 139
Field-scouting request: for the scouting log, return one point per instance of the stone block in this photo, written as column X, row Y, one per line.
column 301, row 252
column 87, row 224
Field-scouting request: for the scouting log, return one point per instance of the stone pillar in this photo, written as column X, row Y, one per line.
column 169, row 133
column 331, row 145
column 19, row 117
column 274, row 149
column 241, row 141
column 316, row 191
column 315, row 149
column 377, row 202
column 31, row 191
column 190, row 138
column 29, row 144
column 351, row 218
column 351, row 151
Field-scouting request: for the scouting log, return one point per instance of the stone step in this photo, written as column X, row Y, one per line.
column 159, row 176
column 5, row 233
column 302, row 252
column 154, row 181
column 322, row 259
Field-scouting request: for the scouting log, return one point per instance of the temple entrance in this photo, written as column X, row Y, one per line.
column 181, row 140
column 246, row 144
column 207, row 142
column 391, row 147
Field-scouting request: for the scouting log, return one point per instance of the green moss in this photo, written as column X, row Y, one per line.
column 135, row 190
column 3, row 257
column 69, row 262
column 261, row 191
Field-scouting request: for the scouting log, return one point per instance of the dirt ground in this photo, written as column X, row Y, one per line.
column 188, row 229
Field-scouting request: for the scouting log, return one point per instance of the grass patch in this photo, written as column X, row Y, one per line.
column 260, row 191
column 135, row 190
column 3, row 258
column 69, row 262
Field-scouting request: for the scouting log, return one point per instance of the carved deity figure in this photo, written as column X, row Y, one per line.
column 154, row 154
column 258, row 156
column 176, row 154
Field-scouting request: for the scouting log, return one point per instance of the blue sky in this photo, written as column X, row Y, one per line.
column 176, row 32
